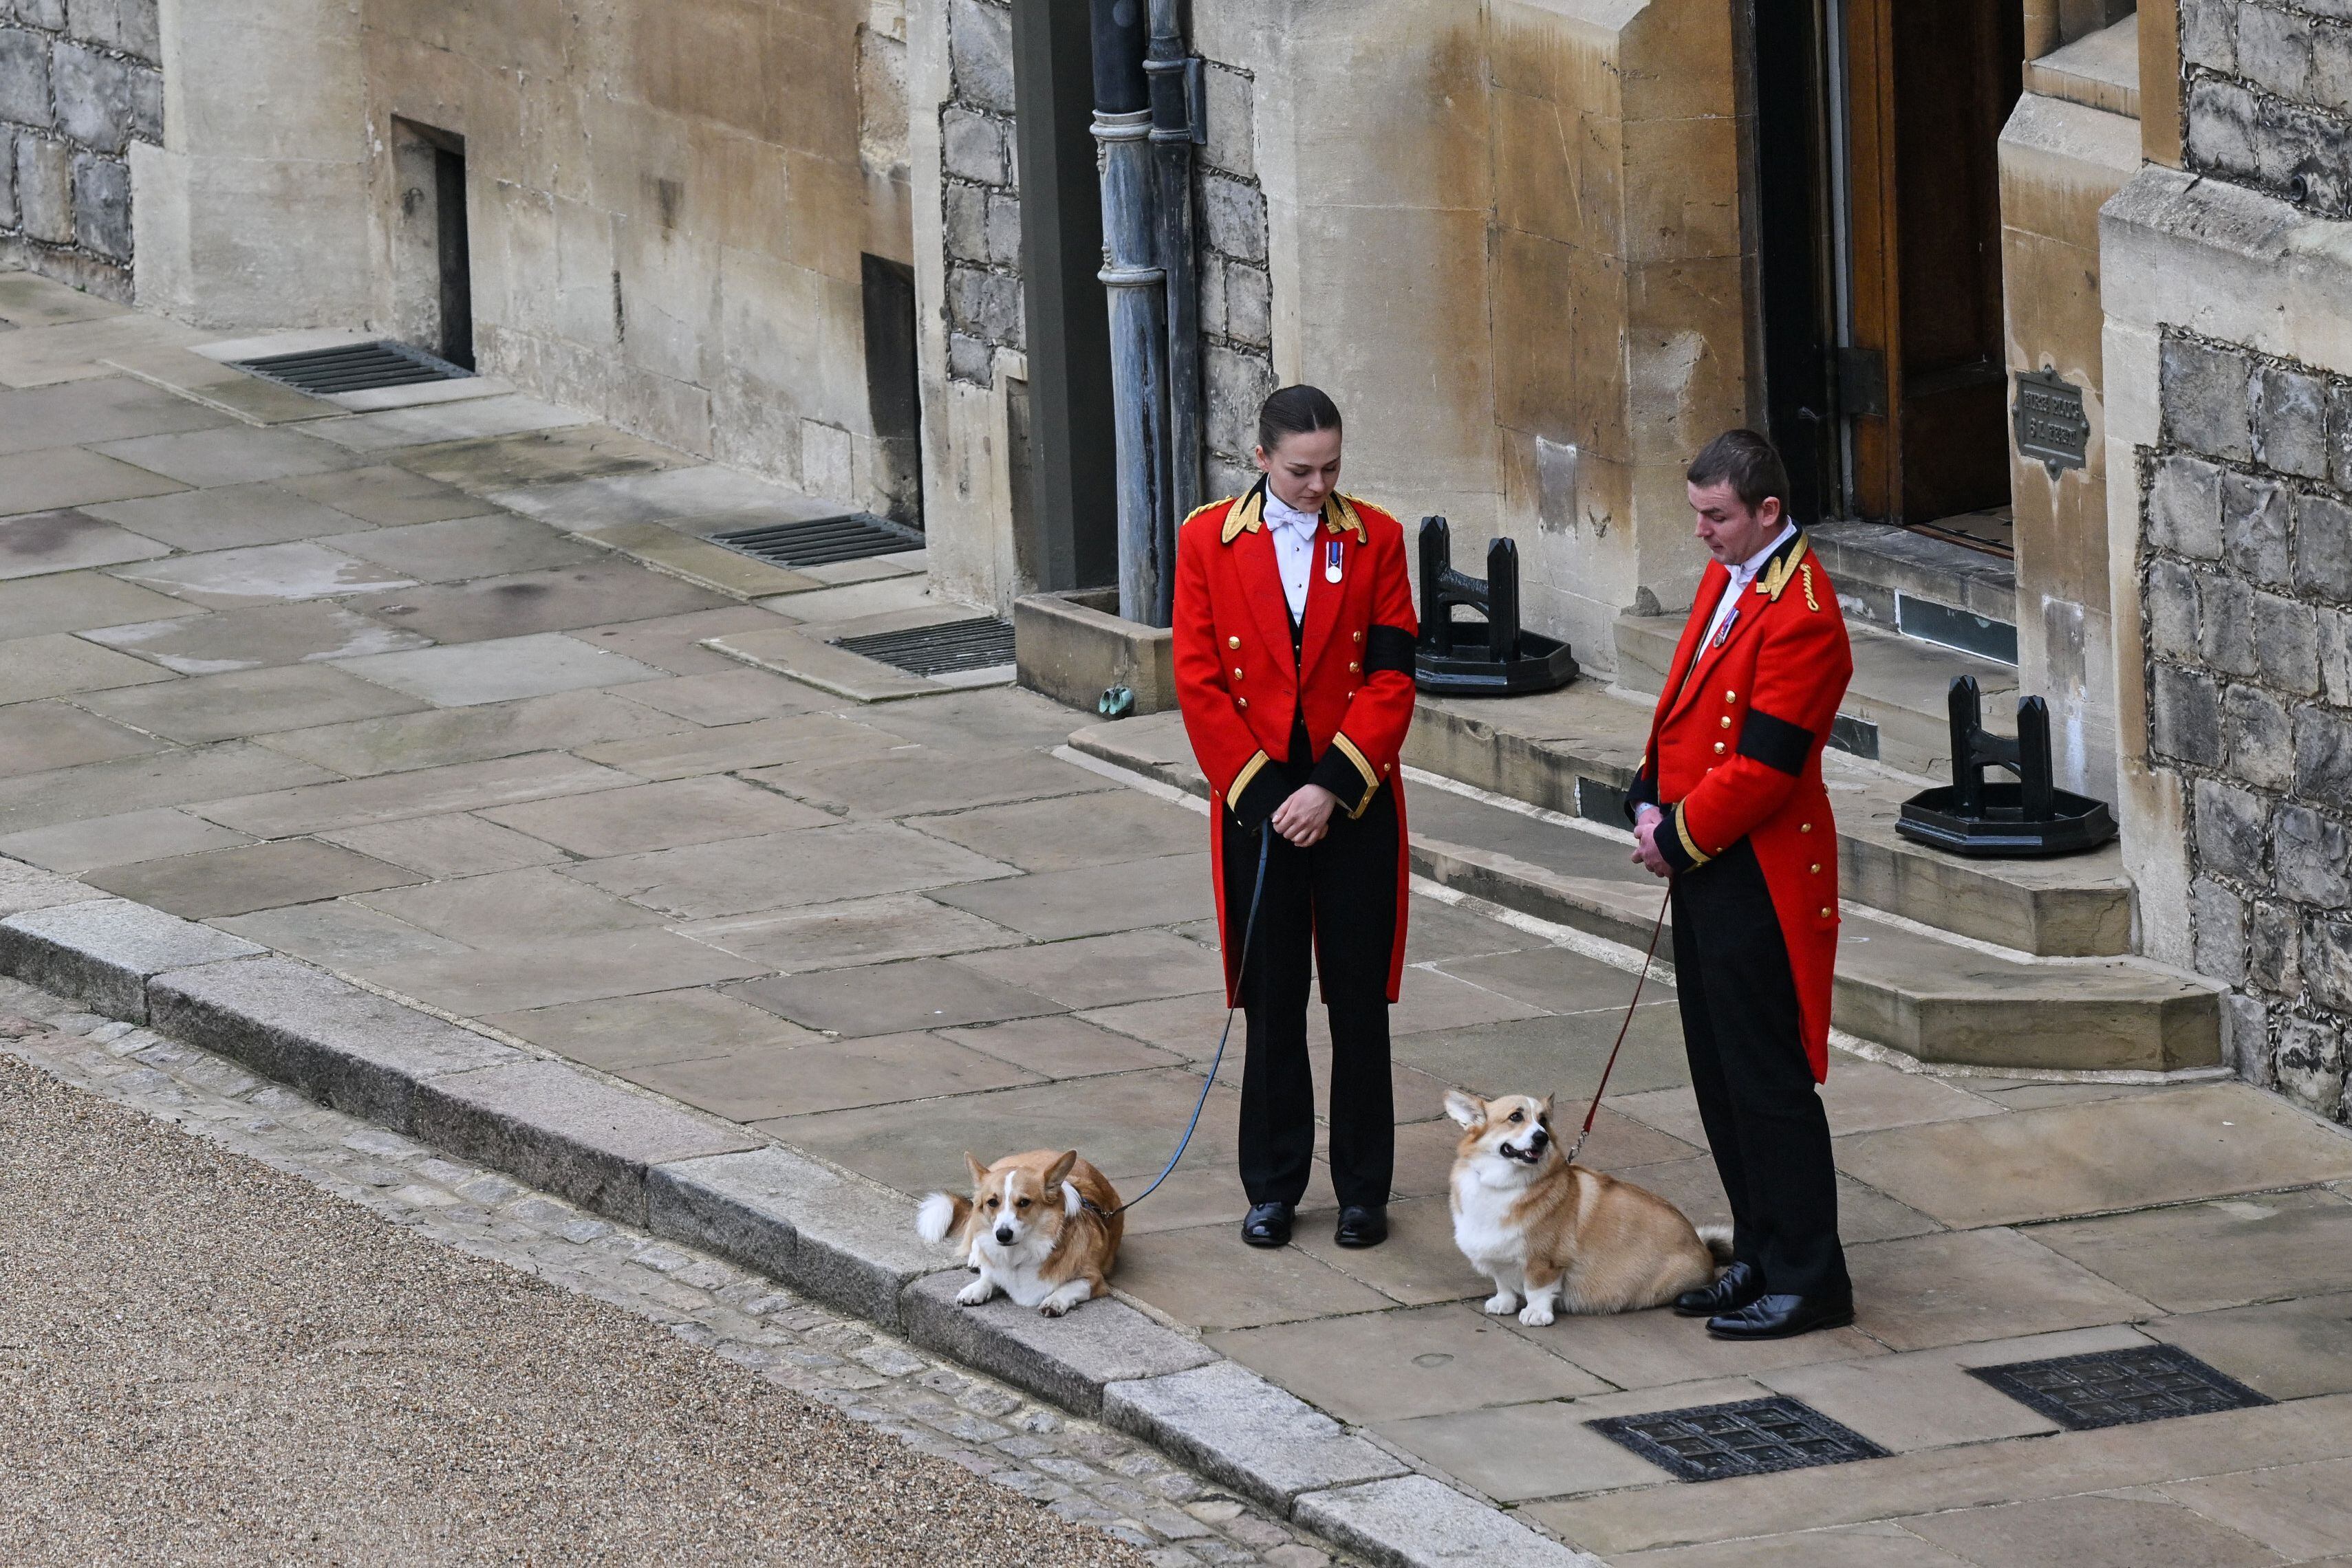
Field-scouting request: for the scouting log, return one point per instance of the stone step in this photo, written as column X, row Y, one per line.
column 1900, row 580
column 1575, row 751
column 1896, row 709
column 1938, row 1000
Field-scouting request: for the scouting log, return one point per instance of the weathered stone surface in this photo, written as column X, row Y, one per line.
column 24, row 887
column 1067, row 1360
column 2209, row 34
column 2327, row 962
column 2323, row 547
column 1232, row 216
column 840, row 1240
column 2186, row 714
column 2170, row 593
column 2274, row 50
column 93, row 95
column 967, row 223
column 1246, row 1432
column 2274, row 948
column 2228, row 829
column 2184, row 507
column 45, row 189
column 1232, row 143
column 1415, row 1522
column 980, row 46
column 1249, row 306
column 2322, row 755
column 2218, row 917
column 560, row 1129
column 2314, row 855
column 130, row 26
column 362, row 1053
column 2291, row 422
column 2310, row 1063
column 2286, row 644
column 103, row 950
column 2254, row 513
column 2225, row 626
column 1237, row 385
column 972, row 146
column 25, row 77
column 2261, row 737
column 985, row 305
column 2221, row 131
column 102, row 205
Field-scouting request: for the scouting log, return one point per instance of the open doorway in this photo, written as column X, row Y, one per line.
column 432, row 275
column 894, row 396
column 1879, row 201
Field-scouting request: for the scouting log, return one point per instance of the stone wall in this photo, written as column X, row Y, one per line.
column 2269, row 101
column 81, row 80
column 2246, row 589
column 1236, row 287
column 980, row 192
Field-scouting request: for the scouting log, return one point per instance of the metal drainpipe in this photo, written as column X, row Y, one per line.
column 1174, row 74
column 1139, row 340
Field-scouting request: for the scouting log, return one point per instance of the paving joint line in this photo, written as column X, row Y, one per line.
column 758, row 1203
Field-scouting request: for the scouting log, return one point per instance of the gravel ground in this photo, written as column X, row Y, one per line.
column 206, row 1359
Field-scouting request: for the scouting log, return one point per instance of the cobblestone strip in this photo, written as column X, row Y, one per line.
column 1083, row 1470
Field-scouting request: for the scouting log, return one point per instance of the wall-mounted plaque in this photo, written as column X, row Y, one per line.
column 2052, row 427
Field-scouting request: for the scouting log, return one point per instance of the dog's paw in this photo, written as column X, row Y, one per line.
column 1502, row 1303
column 1053, row 1307
column 972, row 1295
column 1535, row 1314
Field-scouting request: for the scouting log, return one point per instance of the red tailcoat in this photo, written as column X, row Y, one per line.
column 1736, row 752
column 1239, row 687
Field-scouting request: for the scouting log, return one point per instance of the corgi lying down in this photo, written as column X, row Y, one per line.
column 1558, row 1235
column 1029, row 1229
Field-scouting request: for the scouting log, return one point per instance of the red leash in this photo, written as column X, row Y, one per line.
column 1655, row 926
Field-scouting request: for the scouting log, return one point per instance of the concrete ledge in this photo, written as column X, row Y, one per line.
column 101, row 951
column 1413, row 1521
column 563, row 1131
column 846, row 1243
column 1073, row 646
column 352, row 1049
column 1067, row 1360
column 1235, row 1425
column 24, row 887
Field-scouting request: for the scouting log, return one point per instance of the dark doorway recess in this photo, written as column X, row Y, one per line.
column 893, row 397
column 457, row 344
column 1879, row 204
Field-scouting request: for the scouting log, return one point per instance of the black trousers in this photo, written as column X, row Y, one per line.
column 1337, row 903
column 1756, row 1091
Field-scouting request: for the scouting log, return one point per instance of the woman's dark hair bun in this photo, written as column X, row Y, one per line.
column 1294, row 410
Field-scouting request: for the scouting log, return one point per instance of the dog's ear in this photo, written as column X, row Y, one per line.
column 1466, row 1108
column 1060, row 1171
column 979, row 1171
column 1545, row 1109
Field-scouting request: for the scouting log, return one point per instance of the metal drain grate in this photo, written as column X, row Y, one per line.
column 2116, row 1387
column 822, row 540
column 1751, row 1437
column 355, row 366
column 956, row 648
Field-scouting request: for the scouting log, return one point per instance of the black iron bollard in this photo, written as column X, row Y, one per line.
column 2031, row 817
column 1517, row 662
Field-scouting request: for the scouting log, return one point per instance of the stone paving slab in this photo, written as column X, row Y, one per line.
column 182, row 638
column 425, row 793
column 256, row 876
column 153, row 834
column 38, row 543
column 265, row 574
column 80, row 602
column 1241, row 1429
column 36, row 736
column 230, row 517
column 57, row 477
column 58, row 666
column 249, row 701
column 177, row 777
column 112, row 408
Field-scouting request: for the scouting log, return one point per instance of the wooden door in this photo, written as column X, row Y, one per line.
column 1931, row 82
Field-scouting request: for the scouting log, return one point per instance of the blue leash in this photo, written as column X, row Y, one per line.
column 1249, row 929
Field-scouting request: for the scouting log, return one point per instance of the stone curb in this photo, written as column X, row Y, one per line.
column 840, row 1238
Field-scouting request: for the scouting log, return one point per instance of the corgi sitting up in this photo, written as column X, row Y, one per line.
column 1560, row 1235
column 1042, row 1228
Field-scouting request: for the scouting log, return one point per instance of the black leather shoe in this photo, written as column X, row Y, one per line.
column 1739, row 1284
column 1783, row 1317
column 1268, row 1225
column 1362, row 1226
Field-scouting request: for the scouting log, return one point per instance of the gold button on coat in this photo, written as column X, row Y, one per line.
column 1827, row 912
column 1804, row 827
column 1354, row 666
column 1241, row 702
column 1817, row 870
column 1731, row 696
column 1719, row 749
column 1237, row 672
column 1355, row 636
column 1724, row 721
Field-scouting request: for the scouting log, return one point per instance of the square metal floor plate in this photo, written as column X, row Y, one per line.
column 821, row 541
column 1750, row 1438
column 2116, row 1387
column 353, row 367
column 958, row 647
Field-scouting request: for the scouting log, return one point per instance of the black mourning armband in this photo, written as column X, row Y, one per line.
column 1388, row 648
column 1775, row 742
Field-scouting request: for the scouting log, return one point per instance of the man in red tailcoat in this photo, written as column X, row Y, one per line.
column 1293, row 651
column 1729, row 803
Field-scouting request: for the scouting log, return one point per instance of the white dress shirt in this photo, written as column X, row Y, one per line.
column 1294, row 548
column 1741, row 576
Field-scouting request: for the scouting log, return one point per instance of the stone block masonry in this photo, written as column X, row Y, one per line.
column 980, row 190
column 79, row 81
column 2269, row 97
column 2246, row 577
column 1236, row 287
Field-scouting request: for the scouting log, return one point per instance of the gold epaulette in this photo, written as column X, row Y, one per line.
column 1775, row 578
column 1347, row 520
column 1246, row 517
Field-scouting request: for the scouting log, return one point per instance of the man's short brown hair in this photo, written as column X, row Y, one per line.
column 1745, row 461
